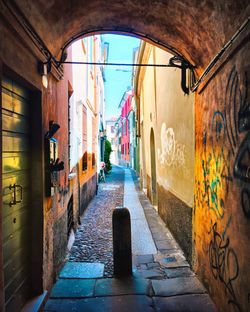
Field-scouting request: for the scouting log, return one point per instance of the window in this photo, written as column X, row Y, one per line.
column 84, row 138
column 124, row 128
column 85, row 161
column 93, row 159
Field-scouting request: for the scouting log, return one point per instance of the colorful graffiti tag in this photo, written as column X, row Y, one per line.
column 214, row 187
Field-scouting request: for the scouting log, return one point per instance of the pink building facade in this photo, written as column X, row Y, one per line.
column 125, row 106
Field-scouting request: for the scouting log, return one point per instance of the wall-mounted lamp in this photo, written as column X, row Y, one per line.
column 53, row 127
column 44, row 69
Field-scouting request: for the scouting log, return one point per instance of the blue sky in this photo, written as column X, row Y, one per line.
column 118, row 78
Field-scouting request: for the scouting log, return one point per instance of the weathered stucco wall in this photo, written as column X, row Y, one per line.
column 175, row 129
column 222, row 184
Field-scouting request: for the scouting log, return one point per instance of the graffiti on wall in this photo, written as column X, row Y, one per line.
column 237, row 112
column 216, row 176
column 225, row 166
column 227, row 125
column 224, row 264
column 172, row 153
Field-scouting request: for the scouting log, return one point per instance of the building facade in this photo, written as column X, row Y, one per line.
column 125, row 105
column 49, row 158
column 132, row 135
column 165, row 127
column 87, row 109
column 111, row 136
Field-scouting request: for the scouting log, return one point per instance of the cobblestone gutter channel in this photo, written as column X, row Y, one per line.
column 93, row 242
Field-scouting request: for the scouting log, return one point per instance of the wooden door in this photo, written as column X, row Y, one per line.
column 16, row 193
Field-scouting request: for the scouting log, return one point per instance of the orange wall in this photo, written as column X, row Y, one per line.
column 222, row 186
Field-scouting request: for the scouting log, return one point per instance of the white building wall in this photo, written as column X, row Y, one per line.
column 88, row 90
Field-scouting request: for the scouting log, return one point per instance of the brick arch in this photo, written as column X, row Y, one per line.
column 195, row 29
column 118, row 31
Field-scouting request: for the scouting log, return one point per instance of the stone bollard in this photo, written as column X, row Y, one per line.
column 122, row 253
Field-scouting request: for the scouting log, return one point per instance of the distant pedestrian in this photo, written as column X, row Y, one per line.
column 102, row 171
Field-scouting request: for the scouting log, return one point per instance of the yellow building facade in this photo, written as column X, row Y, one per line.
column 166, row 137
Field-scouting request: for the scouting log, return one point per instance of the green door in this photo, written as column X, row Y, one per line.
column 16, row 191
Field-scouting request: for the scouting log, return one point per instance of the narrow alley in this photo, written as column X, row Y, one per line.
column 162, row 279
column 138, row 109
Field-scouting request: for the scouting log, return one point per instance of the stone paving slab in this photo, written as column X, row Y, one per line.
column 177, row 286
column 153, row 265
column 132, row 303
column 179, row 272
column 185, row 303
column 73, row 288
column 164, row 244
column 150, row 274
column 82, row 270
column 129, row 286
column 172, row 259
column 159, row 236
column 143, row 259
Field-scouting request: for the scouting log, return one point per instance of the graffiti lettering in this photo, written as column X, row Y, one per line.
column 172, row 153
column 238, row 123
column 224, row 264
column 215, row 168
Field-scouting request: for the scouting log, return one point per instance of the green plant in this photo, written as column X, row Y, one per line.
column 107, row 152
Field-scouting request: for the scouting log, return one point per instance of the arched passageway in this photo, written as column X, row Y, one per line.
column 198, row 31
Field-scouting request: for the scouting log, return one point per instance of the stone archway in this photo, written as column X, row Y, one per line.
column 195, row 30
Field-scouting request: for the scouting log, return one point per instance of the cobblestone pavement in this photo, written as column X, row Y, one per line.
column 161, row 282
column 93, row 242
